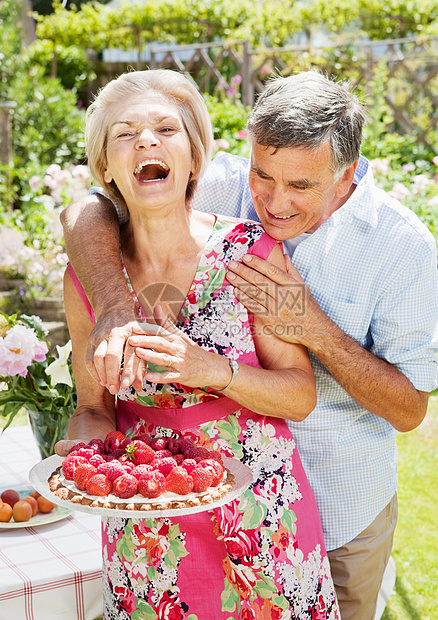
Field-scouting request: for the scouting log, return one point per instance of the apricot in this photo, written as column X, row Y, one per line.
column 35, row 494
column 33, row 502
column 45, row 505
column 22, row 511
column 10, row 496
column 5, row 512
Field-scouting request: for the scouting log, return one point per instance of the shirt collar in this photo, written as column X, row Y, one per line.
column 361, row 203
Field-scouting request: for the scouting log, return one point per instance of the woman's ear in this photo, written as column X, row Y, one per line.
column 107, row 176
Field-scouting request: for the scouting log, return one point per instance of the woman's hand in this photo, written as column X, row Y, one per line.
column 187, row 363
column 63, row 447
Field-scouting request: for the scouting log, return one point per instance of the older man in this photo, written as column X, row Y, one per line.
column 361, row 294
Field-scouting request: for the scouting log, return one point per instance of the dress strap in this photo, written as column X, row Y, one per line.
column 181, row 419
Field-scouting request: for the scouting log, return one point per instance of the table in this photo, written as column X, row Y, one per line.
column 51, row 571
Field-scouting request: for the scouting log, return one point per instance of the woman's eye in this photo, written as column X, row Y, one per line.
column 167, row 129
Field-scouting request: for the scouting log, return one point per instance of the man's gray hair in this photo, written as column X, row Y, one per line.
column 307, row 110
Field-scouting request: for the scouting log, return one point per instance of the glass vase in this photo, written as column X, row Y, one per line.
column 48, row 427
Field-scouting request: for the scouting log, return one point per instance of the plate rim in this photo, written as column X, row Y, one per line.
column 42, row 486
column 62, row 512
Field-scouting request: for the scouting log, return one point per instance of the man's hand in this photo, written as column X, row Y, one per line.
column 375, row 384
column 280, row 298
column 107, row 346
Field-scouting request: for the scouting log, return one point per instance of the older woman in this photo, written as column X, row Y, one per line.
column 148, row 139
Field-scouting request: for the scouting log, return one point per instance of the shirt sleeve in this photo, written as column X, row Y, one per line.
column 123, row 217
column 405, row 320
column 224, row 188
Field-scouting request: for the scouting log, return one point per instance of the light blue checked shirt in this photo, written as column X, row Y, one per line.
column 372, row 268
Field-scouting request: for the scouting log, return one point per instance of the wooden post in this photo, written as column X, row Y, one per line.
column 247, row 83
column 6, row 132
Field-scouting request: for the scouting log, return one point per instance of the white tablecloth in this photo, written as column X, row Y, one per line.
column 50, row 571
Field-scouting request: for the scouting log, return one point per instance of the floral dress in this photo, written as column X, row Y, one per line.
column 262, row 556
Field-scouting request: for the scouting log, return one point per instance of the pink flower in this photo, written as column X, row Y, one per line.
column 231, row 91
column 222, row 144
column 408, row 167
column 242, row 134
column 34, row 181
column 236, row 79
column 18, row 349
column 435, row 160
column 380, row 165
column 169, row 607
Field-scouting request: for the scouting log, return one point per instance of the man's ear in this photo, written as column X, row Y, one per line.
column 107, row 176
column 346, row 180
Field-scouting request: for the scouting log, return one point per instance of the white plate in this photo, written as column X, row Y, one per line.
column 41, row 472
column 57, row 514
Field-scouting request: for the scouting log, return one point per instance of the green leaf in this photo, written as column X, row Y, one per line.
column 144, row 611
column 265, row 588
column 229, row 599
column 125, row 549
column 253, row 511
column 288, row 521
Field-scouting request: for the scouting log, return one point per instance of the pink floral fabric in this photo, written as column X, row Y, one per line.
column 259, row 557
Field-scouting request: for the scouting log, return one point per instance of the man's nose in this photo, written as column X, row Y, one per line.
column 279, row 202
column 147, row 138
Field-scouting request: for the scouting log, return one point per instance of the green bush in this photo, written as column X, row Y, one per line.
column 229, row 122
column 72, row 66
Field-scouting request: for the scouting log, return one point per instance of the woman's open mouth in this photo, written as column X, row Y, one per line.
column 151, row 170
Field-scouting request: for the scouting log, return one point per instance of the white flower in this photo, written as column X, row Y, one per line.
column 59, row 370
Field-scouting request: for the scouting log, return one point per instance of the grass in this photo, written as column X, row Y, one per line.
column 415, row 550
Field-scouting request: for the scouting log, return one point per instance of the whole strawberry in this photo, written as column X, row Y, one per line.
column 152, row 484
column 179, row 481
column 82, row 474
column 98, row 485
column 139, row 452
column 125, row 486
column 143, row 454
column 202, row 478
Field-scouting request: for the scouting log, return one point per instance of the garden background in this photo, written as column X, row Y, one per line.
column 387, row 48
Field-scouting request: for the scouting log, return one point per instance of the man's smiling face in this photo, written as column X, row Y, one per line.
column 294, row 190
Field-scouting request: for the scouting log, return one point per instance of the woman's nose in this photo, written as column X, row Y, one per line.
column 147, row 138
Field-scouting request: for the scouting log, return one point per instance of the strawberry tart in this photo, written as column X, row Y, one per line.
column 141, row 473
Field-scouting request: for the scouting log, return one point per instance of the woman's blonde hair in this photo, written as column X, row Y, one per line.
column 175, row 87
